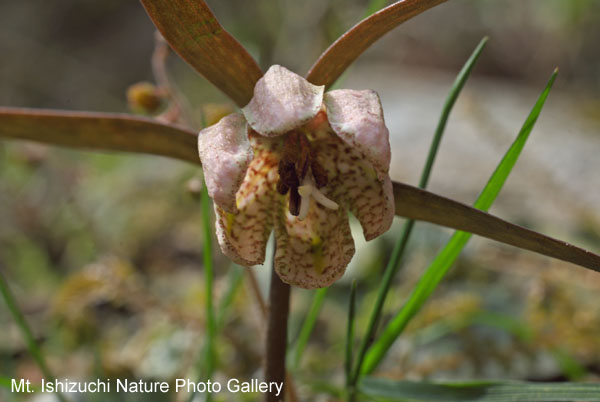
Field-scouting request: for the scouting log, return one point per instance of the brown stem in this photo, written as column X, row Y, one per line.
column 279, row 303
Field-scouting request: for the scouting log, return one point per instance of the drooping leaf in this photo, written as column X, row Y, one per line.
column 336, row 59
column 193, row 31
column 123, row 132
column 480, row 391
column 105, row 131
column 421, row 205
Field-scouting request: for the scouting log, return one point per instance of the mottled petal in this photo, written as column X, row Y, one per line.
column 357, row 117
column 225, row 152
column 282, row 101
column 354, row 184
column 314, row 252
column 243, row 235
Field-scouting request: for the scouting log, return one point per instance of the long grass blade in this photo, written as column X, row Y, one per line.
column 338, row 57
column 393, row 264
column 481, row 391
column 444, row 260
column 209, row 279
column 192, row 30
column 349, row 360
column 308, row 325
column 26, row 333
column 236, row 278
column 207, row 362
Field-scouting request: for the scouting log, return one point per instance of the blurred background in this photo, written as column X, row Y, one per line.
column 104, row 251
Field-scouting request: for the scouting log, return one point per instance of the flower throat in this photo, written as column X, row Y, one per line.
column 301, row 174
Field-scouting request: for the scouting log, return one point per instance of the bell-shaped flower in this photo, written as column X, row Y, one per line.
column 295, row 161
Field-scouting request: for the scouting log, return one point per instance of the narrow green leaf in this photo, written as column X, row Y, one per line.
column 26, row 333
column 236, row 278
column 481, row 391
column 338, row 57
column 349, row 360
column 104, row 131
column 308, row 325
column 194, row 33
column 444, row 260
column 393, row 264
column 208, row 358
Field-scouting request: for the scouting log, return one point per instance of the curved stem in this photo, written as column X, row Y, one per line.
column 279, row 303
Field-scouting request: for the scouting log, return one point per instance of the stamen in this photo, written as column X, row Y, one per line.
column 308, row 189
column 321, row 199
column 304, row 190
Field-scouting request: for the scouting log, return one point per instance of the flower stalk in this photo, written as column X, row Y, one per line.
column 276, row 340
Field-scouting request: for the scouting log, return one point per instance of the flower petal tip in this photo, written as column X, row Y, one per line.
column 282, row 101
column 225, row 153
column 357, row 118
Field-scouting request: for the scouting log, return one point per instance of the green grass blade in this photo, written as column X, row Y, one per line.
column 393, row 264
column 308, row 325
column 448, row 255
column 350, row 334
column 208, row 278
column 26, row 332
column 207, row 361
column 482, row 391
column 236, row 278
column 5, row 382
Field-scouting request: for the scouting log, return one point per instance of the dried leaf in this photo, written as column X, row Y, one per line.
column 107, row 131
column 338, row 57
column 414, row 203
column 194, row 33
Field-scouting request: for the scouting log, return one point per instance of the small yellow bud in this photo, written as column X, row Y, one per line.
column 143, row 97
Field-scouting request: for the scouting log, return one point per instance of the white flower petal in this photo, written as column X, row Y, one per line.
column 225, row 153
column 357, row 118
column 282, row 102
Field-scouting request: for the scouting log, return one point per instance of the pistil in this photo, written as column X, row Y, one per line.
column 302, row 176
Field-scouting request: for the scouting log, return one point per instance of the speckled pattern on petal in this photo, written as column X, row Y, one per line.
column 282, row 102
column 225, row 152
column 357, row 117
column 243, row 236
column 354, row 184
column 313, row 253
